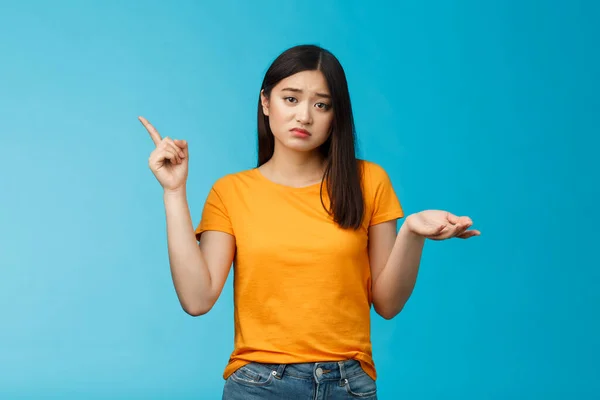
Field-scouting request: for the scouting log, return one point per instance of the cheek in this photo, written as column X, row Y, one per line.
column 279, row 118
column 325, row 123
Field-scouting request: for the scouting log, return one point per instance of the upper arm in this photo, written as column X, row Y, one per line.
column 218, row 251
column 385, row 210
column 381, row 242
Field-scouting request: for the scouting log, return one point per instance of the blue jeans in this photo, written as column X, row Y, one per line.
column 306, row 381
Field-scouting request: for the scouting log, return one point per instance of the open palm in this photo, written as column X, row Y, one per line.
column 440, row 225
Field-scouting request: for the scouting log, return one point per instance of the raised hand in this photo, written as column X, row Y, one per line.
column 169, row 160
column 440, row 225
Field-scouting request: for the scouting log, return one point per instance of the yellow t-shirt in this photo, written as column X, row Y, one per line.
column 302, row 285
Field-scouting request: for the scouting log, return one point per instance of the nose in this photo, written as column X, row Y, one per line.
column 303, row 115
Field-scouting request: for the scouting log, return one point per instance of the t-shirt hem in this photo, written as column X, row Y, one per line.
column 386, row 217
column 219, row 228
column 365, row 362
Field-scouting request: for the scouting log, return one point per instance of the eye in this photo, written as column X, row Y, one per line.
column 290, row 99
column 323, row 106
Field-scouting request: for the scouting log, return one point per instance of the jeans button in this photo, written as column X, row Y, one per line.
column 319, row 372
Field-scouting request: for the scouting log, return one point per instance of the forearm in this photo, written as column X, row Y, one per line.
column 189, row 271
column 395, row 283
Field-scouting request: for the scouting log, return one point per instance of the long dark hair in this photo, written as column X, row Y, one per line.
column 342, row 171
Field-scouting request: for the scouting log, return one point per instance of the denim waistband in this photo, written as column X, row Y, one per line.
column 319, row 371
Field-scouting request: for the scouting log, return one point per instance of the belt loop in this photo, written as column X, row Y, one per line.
column 279, row 373
column 343, row 380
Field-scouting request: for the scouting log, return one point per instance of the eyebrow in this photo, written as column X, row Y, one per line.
column 289, row 89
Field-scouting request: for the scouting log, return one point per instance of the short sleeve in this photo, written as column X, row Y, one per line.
column 385, row 206
column 214, row 215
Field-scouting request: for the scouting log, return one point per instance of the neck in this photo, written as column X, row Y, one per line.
column 294, row 168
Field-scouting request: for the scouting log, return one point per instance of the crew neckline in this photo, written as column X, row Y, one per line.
column 286, row 187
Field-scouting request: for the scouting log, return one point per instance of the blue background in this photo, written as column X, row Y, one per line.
column 487, row 109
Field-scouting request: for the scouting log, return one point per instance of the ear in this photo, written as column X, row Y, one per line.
column 265, row 103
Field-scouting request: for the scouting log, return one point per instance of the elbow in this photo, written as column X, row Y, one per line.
column 389, row 306
column 387, row 312
column 196, row 310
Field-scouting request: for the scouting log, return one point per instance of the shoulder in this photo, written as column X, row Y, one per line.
column 235, row 181
column 373, row 174
column 379, row 194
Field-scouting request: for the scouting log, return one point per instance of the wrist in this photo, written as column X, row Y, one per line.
column 407, row 233
column 175, row 193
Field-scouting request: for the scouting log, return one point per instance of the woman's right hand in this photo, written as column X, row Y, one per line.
column 169, row 161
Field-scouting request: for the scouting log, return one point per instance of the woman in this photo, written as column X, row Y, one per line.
column 312, row 234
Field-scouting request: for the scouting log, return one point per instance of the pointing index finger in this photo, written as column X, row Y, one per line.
column 151, row 130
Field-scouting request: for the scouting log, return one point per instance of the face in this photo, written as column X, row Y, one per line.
column 300, row 111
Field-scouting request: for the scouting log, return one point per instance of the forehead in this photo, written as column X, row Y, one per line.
column 307, row 81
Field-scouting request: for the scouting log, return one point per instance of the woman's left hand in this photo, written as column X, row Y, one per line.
column 440, row 225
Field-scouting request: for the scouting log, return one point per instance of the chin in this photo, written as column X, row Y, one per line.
column 297, row 144
column 304, row 147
